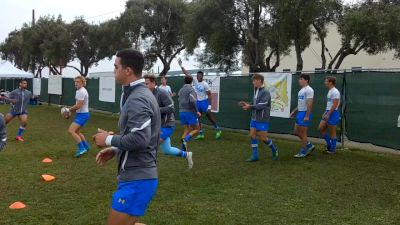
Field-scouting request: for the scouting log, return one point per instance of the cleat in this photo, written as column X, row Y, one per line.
column 189, row 158
column 79, row 153
column 19, row 138
column 252, row 159
column 200, row 137
column 218, row 134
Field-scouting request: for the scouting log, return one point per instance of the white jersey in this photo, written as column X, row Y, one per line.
column 201, row 89
column 332, row 94
column 167, row 88
column 304, row 94
column 82, row 94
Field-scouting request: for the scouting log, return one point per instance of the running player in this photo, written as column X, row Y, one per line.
column 188, row 112
column 135, row 146
column 81, row 108
column 204, row 101
column 259, row 123
column 19, row 99
column 331, row 117
column 303, row 115
column 167, row 120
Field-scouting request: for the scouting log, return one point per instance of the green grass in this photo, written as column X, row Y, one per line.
column 352, row 187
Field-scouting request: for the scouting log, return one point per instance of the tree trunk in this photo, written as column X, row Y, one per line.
column 299, row 66
column 278, row 60
column 323, row 46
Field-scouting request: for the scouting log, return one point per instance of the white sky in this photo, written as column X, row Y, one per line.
column 13, row 13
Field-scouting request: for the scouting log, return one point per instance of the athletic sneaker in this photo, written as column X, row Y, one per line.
column 310, row 149
column 189, row 157
column 252, row 159
column 332, row 152
column 19, row 138
column 302, row 153
column 275, row 154
column 218, row 134
column 200, row 137
column 184, row 145
column 80, row 152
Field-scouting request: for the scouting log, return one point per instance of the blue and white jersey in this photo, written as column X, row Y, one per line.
column 305, row 93
column 201, row 89
column 166, row 88
column 332, row 94
column 82, row 95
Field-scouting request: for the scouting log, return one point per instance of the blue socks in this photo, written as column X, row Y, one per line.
column 85, row 145
column 333, row 146
column 81, row 146
column 187, row 138
column 20, row 131
column 271, row 145
column 168, row 150
column 254, row 147
column 327, row 139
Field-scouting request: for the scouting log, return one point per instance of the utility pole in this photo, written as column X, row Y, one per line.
column 33, row 24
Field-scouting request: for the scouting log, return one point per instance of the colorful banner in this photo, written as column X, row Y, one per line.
column 280, row 87
column 107, row 89
column 214, row 83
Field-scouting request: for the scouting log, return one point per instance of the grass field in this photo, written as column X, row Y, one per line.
column 352, row 187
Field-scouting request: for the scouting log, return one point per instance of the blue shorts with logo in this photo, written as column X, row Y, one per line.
column 166, row 132
column 81, row 118
column 334, row 118
column 133, row 197
column 13, row 113
column 188, row 118
column 259, row 126
column 202, row 106
column 300, row 119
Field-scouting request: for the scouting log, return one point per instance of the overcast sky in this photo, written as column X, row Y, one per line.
column 13, row 13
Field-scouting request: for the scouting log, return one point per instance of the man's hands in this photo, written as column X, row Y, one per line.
column 100, row 138
column 244, row 105
column 104, row 155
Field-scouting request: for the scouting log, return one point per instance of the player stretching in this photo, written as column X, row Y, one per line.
column 81, row 108
column 167, row 120
column 135, row 146
column 204, row 101
column 332, row 116
column 188, row 112
column 304, row 116
column 19, row 99
column 259, row 123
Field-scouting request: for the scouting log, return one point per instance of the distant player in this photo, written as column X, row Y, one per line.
column 204, row 101
column 3, row 133
column 166, row 87
column 167, row 120
column 19, row 99
column 188, row 112
column 303, row 115
column 259, row 124
column 81, row 108
column 331, row 117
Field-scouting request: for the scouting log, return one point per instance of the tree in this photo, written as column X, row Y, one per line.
column 92, row 43
column 158, row 25
column 229, row 28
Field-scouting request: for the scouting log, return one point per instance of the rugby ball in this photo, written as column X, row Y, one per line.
column 65, row 112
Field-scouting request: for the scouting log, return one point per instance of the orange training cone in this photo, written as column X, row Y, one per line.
column 47, row 160
column 17, row 205
column 48, row 178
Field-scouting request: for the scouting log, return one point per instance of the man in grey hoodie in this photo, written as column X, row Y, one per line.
column 135, row 146
column 19, row 99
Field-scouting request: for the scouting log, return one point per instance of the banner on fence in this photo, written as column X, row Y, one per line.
column 214, row 83
column 107, row 89
column 55, row 85
column 37, row 86
column 280, row 87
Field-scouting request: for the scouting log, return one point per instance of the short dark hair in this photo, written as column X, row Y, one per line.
column 151, row 77
column 258, row 77
column 331, row 79
column 132, row 58
column 188, row 79
column 22, row 80
column 305, row 77
column 200, row 73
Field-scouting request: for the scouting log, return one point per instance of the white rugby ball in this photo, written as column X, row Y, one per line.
column 65, row 112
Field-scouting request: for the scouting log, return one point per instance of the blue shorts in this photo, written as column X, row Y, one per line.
column 202, row 106
column 133, row 197
column 334, row 118
column 259, row 126
column 300, row 119
column 81, row 118
column 166, row 132
column 14, row 114
column 188, row 118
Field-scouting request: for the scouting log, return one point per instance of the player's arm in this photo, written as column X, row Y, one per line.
column 183, row 69
column 262, row 103
column 138, row 126
column 77, row 105
column 167, row 103
column 11, row 98
column 294, row 112
column 309, row 108
column 193, row 101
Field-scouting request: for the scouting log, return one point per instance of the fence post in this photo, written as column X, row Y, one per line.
column 344, row 105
